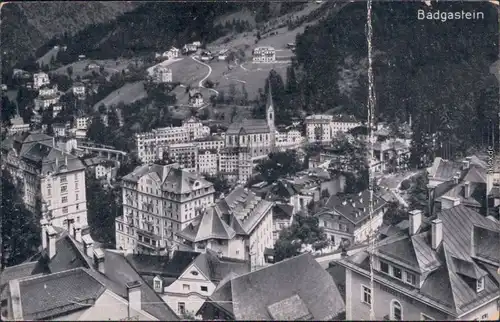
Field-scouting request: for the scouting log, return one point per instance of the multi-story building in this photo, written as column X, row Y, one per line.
column 185, row 154
column 161, row 74
column 282, row 218
column 43, row 101
column 56, row 109
column 239, row 226
column 172, row 53
column 323, row 128
column 445, row 272
column 208, row 161
column 289, row 139
column 40, row 79
column 195, row 98
column 48, row 175
column 18, row 125
column 264, row 55
column 236, row 164
column 78, row 90
column 83, row 122
column 159, row 200
column 60, row 129
column 210, row 142
column 347, row 218
column 149, row 142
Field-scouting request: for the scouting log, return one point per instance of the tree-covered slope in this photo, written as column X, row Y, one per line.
column 436, row 71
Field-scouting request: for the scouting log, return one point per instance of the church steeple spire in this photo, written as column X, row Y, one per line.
column 269, row 95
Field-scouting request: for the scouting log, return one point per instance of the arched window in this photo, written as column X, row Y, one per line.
column 396, row 311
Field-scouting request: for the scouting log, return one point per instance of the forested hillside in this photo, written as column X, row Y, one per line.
column 437, row 72
column 28, row 25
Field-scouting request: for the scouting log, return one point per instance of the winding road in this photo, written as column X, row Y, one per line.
column 205, row 78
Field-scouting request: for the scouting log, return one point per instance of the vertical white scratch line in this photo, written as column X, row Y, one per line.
column 371, row 112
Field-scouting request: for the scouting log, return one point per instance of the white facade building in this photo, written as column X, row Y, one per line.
column 323, row 128
column 18, row 125
column 49, row 176
column 289, row 139
column 78, row 89
column 40, row 79
column 264, row 55
column 83, row 122
column 158, row 201
column 208, row 161
column 149, row 142
column 240, row 226
column 162, row 74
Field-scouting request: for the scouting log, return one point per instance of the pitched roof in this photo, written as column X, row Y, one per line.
column 443, row 170
column 216, row 269
column 354, row 208
column 170, row 177
column 293, row 287
column 209, row 226
column 162, row 265
column 248, row 126
column 470, row 243
column 281, row 211
column 51, row 295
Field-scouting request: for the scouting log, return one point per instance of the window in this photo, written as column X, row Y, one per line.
column 484, row 317
column 63, row 179
column 396, row 311
column 195, row 273
column 204, row 289
column 480, row 284
column 425, row 317
column 49, row 192
column 411, row 278
column 396, row 272
column 185, row 287
column 65, row 210
column 157, row 285
column 366, row 295
column 182, row 307
column 76, row 185
column 64, row 199
column 384, row 267
column 64, row 189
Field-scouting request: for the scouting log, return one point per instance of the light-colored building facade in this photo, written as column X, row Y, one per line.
column 149, row 142
column 347, row 218
column 264, row 55
column 83, row 122
column 323, row 128
column 40, row 79
column 185, row 154
column 240, row 226
column 18, row 125
column 48, row 175
column 162, row 74
column 445, row 271
column 78, row 90
column 289, row 139
column 208, row 161
column 157, row 202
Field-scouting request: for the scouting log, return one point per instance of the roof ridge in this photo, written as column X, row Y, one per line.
column 448, row 268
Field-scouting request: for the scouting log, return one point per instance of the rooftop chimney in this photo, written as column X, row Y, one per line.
column 57, row 163
column 77, row 232
column 467, row 189
column 134, row 297
column 44, row 222
column 51, row 235
column 415, row 221
column 448, row 202
column 465, row 164
column 437, row 233
column 456, row 177
column 66, row 160
column 88, row 245
column 99, row 260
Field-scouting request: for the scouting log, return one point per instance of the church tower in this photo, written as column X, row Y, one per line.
column 270, row 115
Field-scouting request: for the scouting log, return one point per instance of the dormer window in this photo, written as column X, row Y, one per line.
column 480, row 284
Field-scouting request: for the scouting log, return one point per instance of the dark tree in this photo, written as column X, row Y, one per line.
column 221, row 185
column 69, row 70
column 21, row 231
column 304, row 230
column 279, row 165
column 97, row 130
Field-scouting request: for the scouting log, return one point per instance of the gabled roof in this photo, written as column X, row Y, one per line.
column 51, row 295
column 171, row 178
column 281, row 211
column 162, row 265
column 469, row 248
column 209, row 226
column 216, row 269
column 354, row 208
column 294, row 288
column 443, row 170
column 249, row 126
